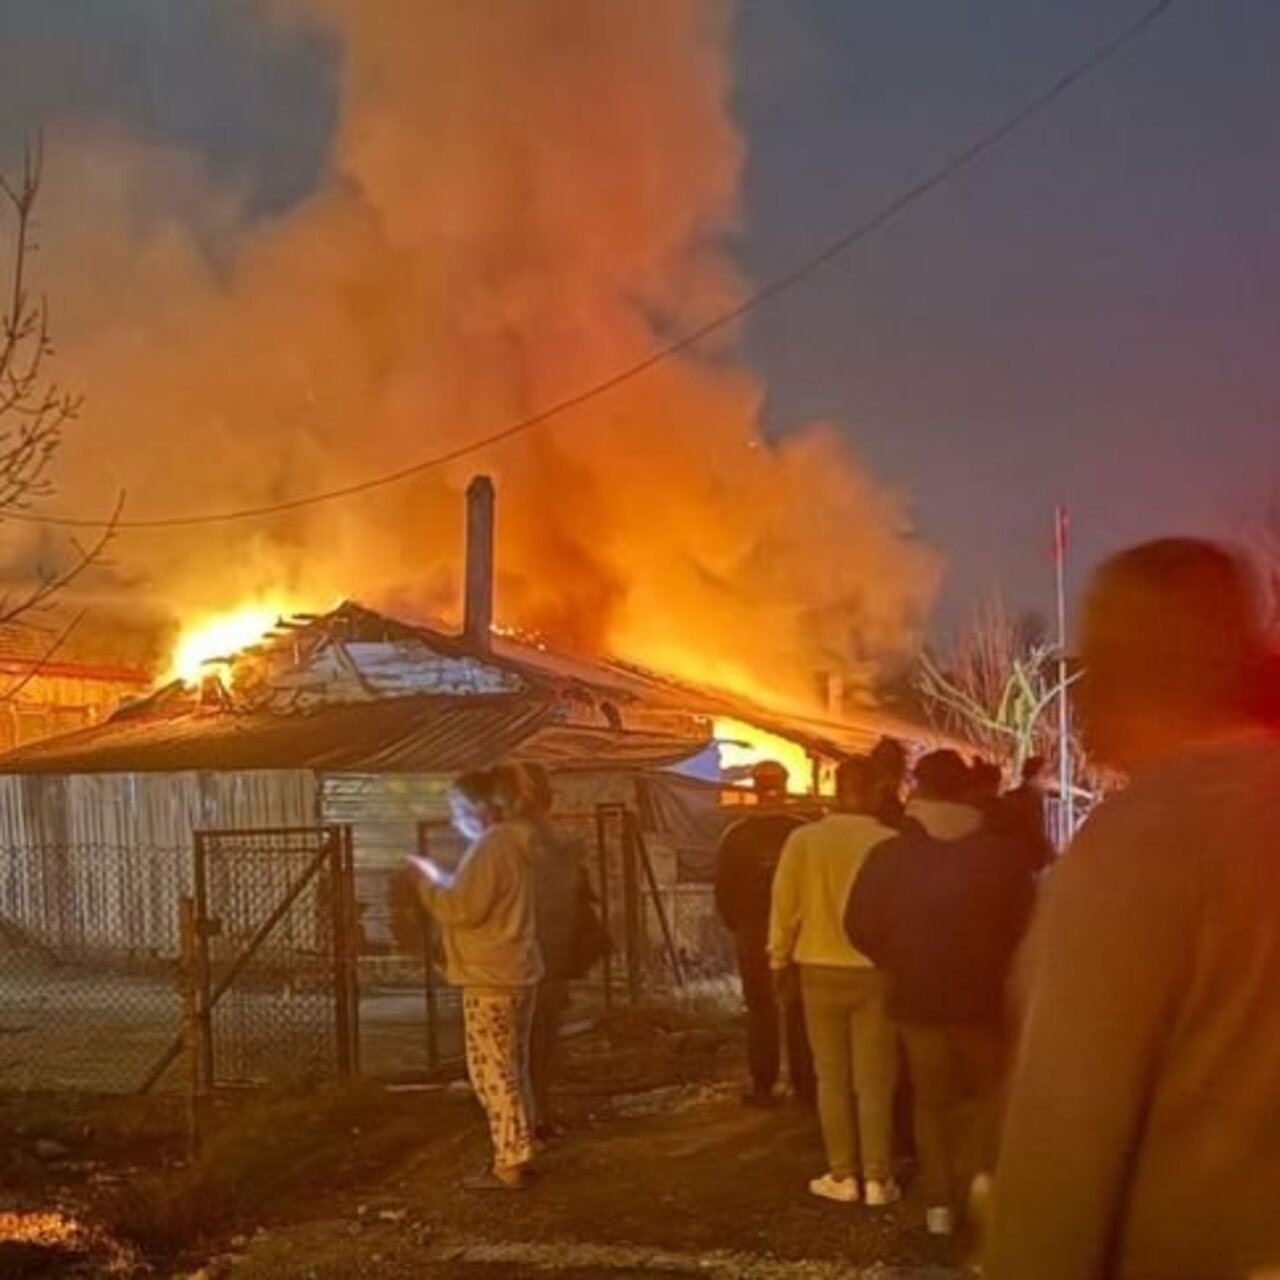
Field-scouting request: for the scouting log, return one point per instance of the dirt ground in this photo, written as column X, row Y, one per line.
column 702, row 1186
column 662, row 1171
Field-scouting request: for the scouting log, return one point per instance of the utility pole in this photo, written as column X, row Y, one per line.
column 1066, row 801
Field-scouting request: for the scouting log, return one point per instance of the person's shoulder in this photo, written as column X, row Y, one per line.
column 507, row 840
column 867, row 822
column 732, row 832
column 798, row 829
column 1140, row 853
column 1203, row 799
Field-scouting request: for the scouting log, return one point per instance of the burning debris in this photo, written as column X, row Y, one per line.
column 52, row 1242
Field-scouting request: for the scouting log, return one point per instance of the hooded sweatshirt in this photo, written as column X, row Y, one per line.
column 488, row 914
column 819, row 865
column 945, row 819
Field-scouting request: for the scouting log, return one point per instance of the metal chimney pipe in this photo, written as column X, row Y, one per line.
column 477, row 617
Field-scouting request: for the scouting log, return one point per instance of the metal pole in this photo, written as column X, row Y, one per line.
column 429, row 984
column 602, row 849
column 655, row 896
column 204, row 995
column 190, row 1021
column 630, row 907
column 345, row 1013
column 1066, row 804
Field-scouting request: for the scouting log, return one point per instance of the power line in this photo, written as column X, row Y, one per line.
column 961, row 160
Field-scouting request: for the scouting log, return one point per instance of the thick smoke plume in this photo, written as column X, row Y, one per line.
column 520, row 198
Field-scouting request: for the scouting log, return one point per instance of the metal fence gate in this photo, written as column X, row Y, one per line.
column 273, row 950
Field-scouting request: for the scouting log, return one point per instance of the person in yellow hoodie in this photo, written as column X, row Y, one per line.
column 487, row 911
column 844, row 995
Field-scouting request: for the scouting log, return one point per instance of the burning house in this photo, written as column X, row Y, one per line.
column 356, row 718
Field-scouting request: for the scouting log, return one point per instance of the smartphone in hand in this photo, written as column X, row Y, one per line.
column 429, row 870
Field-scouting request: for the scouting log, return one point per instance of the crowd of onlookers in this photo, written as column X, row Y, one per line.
column 1130, row 1106
column 875, row 937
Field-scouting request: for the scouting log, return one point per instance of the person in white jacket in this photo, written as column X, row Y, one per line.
column 844, row 995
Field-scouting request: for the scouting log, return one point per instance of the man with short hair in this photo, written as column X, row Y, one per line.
column 940, row 803
column 855, row 1054
column 889, row 761
column 1142, row 1137
column 746, row 860
column 943, row 917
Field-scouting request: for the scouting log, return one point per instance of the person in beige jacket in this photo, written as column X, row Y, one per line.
column 487, row 915
column 844, row 996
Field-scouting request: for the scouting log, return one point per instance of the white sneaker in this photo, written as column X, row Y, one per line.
column 939, row 1220
column 879, row 1194
column 829, row 1187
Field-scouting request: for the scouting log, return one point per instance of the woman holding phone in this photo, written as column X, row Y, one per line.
column 486, row 912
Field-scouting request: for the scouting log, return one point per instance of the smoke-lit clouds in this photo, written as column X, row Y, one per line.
column 513, row 201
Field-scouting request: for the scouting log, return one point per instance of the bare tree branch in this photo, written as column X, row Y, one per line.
column 34, row 408
column 996, row 686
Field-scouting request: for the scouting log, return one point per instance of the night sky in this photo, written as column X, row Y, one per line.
column 1088, row 316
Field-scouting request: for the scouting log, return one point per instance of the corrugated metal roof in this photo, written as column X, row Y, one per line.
column 395, row 735
column 855, row 730
column 566, row 746
column 411, row 735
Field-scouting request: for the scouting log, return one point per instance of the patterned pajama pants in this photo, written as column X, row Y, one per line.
column 497, row 1022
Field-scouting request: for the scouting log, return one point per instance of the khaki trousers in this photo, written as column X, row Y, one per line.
column 855, row 1056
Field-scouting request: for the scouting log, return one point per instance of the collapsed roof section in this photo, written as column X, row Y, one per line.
column 356, row 691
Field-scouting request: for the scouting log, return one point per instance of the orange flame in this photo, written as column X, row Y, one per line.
column 742, row 746
column 221, row 635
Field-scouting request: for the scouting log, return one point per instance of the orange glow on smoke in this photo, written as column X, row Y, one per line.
column 542, row 248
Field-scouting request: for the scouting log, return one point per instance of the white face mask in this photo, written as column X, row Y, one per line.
column 467, row 820
column 468, row 825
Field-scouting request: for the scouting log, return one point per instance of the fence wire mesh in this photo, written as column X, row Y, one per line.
column 92, row 983
column 89, row 963
column 273, row 911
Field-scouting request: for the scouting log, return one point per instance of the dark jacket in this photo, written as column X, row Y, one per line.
column 558, row 869
column 943, row 918
column 746, row 859
column 1021, row 813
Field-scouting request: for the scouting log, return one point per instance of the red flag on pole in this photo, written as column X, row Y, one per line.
column 1060, row 523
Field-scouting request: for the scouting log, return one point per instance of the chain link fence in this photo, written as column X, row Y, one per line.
column 89, row 963
column 274, row 954
column 94, row 991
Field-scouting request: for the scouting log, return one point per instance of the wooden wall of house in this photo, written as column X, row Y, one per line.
column 97, row 863
column 384, row 811
column 43, row 706
column 582, row 791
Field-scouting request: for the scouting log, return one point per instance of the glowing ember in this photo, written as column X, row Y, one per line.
column 57, row 1232
column 741, row 746
column 222, row 635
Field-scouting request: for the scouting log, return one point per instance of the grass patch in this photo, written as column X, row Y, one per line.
column 109, row 1127
column 272, row 1152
